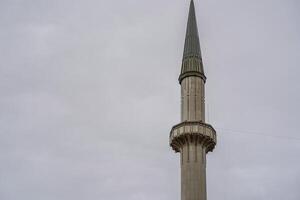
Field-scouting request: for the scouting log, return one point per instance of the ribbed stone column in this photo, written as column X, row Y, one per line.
column 192, row 99
column 193, row 140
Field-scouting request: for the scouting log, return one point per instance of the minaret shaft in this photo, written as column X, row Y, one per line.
column 193, row 172
column 193, row 154
column 192, row 99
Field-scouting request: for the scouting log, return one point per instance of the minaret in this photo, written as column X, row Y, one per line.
column 192, row 138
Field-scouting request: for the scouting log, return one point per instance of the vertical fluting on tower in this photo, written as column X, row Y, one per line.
column 192, row 99
column 193, row 138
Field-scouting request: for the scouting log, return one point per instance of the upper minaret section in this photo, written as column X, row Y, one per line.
column 192, row 60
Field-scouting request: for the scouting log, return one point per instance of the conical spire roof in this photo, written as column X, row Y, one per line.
column 192, row 60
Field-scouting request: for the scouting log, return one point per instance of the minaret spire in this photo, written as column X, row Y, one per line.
column 192, row 137
column 192, row 59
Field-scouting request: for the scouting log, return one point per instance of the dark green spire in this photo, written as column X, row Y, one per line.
column 192, row 60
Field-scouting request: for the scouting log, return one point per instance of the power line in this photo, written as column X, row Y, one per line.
column 229, row 131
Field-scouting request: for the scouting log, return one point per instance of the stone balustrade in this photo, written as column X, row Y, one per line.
column 193, row 132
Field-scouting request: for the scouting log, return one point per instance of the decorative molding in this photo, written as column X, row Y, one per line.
column 193, row 133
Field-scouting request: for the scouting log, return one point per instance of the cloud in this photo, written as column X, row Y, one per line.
column 89, row 93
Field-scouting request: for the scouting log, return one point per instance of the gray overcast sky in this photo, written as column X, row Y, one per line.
column 89, row 93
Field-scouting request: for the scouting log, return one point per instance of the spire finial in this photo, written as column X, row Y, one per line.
column 192, row 59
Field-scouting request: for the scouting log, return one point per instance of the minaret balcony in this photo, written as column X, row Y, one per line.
column 193, row 132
